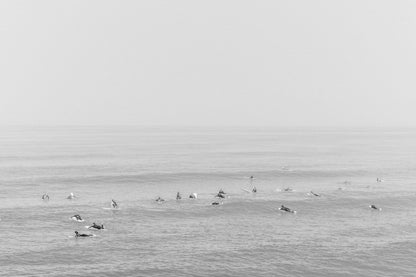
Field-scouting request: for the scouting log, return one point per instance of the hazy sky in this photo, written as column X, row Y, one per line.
column 283, row 63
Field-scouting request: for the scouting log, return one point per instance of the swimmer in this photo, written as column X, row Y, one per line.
column 71, row 196
column 114, row 204
column 193, row 195
column 77, row 235
column 315, row 194
column 286, row 209
column 45, row 197
column 254, row 190
column 159, row 199
column 97, row 227
column 375, row 208
column 77, row 217
column 178, row 196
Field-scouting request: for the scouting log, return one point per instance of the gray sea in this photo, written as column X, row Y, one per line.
column 336, row 234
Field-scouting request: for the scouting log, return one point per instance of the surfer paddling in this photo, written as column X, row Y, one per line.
column 77, row 235
column 315, row 194
column 375, row 208
column 286, row 209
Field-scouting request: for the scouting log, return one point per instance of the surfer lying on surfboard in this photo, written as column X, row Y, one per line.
column 315, row 194
column 375, row 208
column 77, row 235
column 77, row 217
column 220, row 195
column 286, row 209
column 96, row 226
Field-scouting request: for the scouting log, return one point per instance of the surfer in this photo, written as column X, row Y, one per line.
column 221, row 191
column 159, row 199
column 374, row 207
column 315, row 194
column 114, row 204
column 254, row 190
column 178, row 196
column 288, row 190
column 77, row 217
column 286, row 209
column 71, row 196
column 215, row 203
column 220, row 195
column 82, row 235
column 45, row 197
column 96, row 226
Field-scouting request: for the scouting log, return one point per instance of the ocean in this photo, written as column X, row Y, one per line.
column 336, row 234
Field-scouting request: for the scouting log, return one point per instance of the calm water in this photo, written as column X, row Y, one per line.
column 333, row 235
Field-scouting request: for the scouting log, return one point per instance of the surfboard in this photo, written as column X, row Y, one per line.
column 109, row 208
column 246, row 190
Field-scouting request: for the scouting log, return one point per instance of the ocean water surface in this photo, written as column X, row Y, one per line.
column 336, row 234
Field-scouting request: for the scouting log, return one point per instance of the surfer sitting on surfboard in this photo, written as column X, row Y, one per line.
column 114, row 204
column 178, row 196
column 159, row 199
column 254, row 190
column 45, row 196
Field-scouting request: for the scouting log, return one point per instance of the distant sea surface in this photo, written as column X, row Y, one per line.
column 336, row 234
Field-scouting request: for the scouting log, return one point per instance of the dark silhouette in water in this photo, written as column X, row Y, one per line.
column 286, row 209
column 375, row 208
column 114, row 204
column 82, row 235
column 159, row 199
column 315, row 194
column 220, row 195
column 178, row 196
column 98, row 227
column 77, row 217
